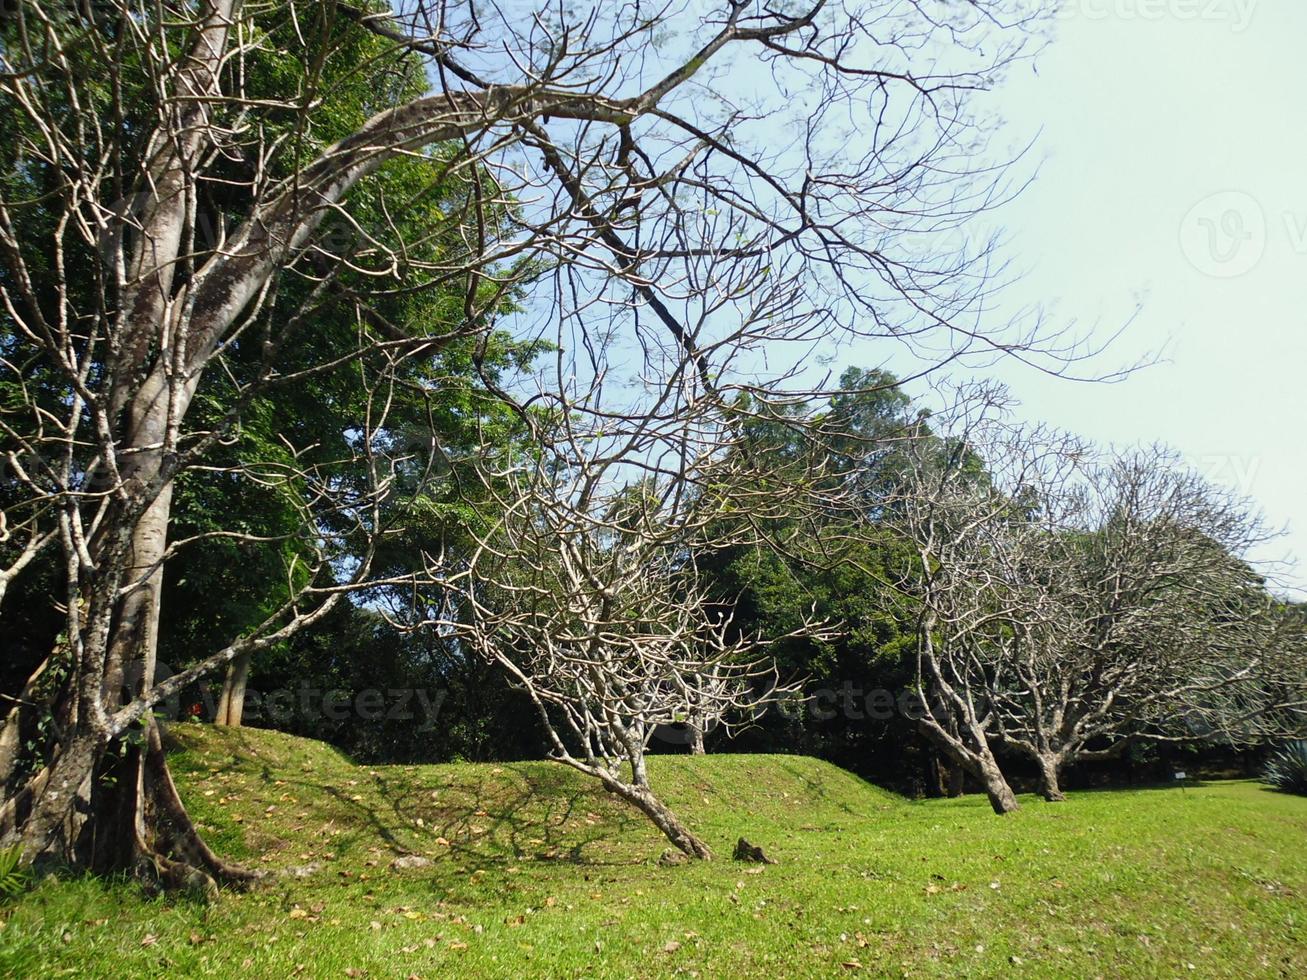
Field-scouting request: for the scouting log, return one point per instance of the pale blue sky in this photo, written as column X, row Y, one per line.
column 1171, row 143
column 1174, row 173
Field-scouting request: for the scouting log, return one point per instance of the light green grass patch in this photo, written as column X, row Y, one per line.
column 535, row 871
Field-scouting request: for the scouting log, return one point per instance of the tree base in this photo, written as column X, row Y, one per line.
column 175, row 829
column 643, row 799
column 110, row 815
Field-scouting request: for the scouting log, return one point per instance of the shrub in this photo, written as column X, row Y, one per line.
column 1287, row 769
column 13, row 876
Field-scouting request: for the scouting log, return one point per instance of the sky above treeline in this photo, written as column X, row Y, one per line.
column 1170, row 195
column 1167, row 145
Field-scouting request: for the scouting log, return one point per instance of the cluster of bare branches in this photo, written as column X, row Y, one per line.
column 584, row 586
column 1073, row 601
column 1154, row 625
column 683, row 198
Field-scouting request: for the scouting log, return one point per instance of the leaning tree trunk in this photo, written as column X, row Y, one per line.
column 991, row 777
column 1049, row 786
column 643, row 799
column 970, row 752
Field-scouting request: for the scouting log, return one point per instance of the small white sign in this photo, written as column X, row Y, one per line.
column 1180, row 775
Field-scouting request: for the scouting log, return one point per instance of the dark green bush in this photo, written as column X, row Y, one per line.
column 1287, row 769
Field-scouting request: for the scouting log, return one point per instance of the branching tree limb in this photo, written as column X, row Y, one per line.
column 171, row 227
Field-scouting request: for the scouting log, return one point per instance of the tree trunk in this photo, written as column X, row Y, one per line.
column 77, row 816
column 44, row 813
column 105, row 802
column 1000, row 794
column 957, row 780
column 231, row 706
column 643, row 799
column 696, row 738
column 972, row 754
column 173, row 824
column 938, row 782
column 947, row 776
column 1049, row 786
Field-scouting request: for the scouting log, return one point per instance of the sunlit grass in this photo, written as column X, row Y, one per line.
column 536, row 872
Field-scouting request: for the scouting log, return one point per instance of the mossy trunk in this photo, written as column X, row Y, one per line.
column 113, row 806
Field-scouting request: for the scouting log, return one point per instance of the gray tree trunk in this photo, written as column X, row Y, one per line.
column 1049, row 786
column 231, row 706
column 663, row 818
column 110, row 827
column 1000, row 794
column 696, row 739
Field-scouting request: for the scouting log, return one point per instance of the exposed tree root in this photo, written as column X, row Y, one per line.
column 118, row 814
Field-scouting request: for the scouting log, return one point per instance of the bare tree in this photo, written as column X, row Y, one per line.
column 1074, row 602
column 962, row 503
column 585, row 587
column 611, row 641
column 1148, row 624
column 161, row 201
column 709, row 699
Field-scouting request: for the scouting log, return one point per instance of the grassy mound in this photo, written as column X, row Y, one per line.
column 528, row 869
column 264, row 794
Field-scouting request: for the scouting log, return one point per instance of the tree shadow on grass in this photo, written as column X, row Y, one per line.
column 501, row 815
column 464, row 819
column 478, row 818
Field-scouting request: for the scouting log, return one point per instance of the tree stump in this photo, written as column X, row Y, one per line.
column 744, row 851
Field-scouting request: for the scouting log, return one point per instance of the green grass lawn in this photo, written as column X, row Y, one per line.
column 534, row 871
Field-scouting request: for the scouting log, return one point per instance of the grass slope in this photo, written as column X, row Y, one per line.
column 534, row 871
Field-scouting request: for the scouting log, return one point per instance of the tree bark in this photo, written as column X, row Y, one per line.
column 50, row 828
column 108, row 810
column 231, row 706
column 118, row 825
column 938, row 781
column 1000, row 794
column 1049, row 786
column 696, row 738
column 663, row 818
column 969, row 751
